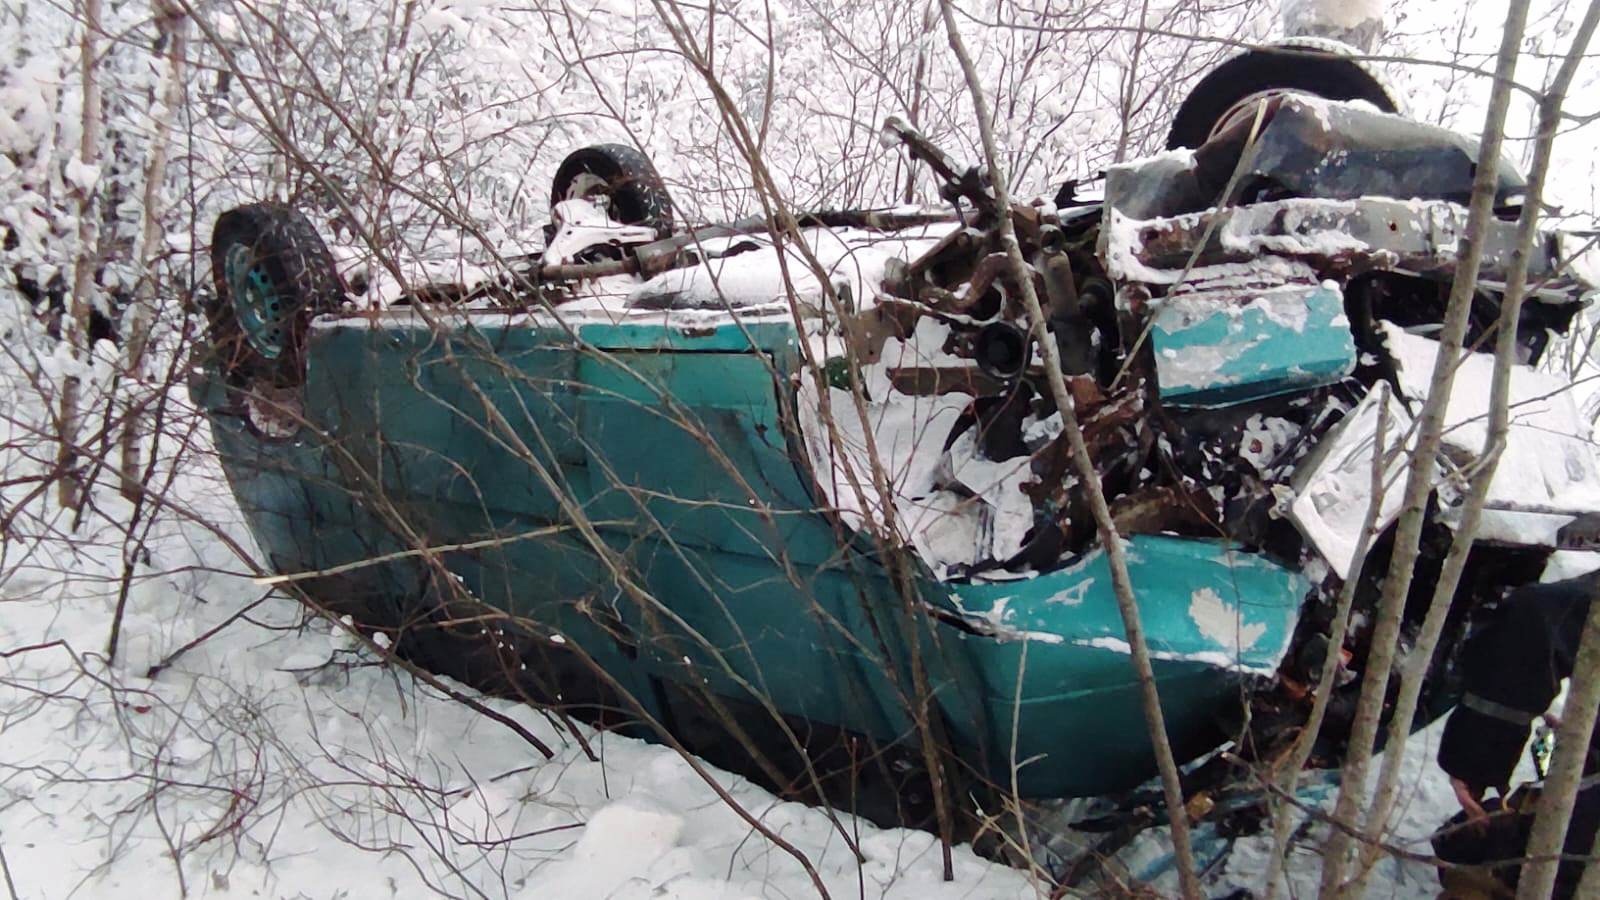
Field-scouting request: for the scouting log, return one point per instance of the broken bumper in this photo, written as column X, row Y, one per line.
column 1051, row 658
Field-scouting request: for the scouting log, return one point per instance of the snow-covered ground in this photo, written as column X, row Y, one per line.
column 278, row 759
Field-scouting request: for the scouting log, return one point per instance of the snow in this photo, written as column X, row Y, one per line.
column 280, row 757
column 852, row 260
column 1222, row 623
column 1548, row 465
column 1299, row 15
column 998, row 619
column 583, row 225
column 953, row 504
column 1214, row 658
column 1425, row 802
column 1073, row 595
column 1564, row 564
column 1333, row 486
column 1264, row 438
column 1121, row 242
column 82, row 176
column 1000, row 485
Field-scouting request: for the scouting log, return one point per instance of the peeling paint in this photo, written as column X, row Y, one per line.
column 1221, row 622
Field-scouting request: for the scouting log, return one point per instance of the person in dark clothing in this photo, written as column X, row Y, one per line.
column 1513, row 669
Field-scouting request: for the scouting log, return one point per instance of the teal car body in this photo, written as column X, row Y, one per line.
column 675, row 513
column 765, row 597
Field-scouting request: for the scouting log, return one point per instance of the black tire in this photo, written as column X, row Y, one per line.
column 259, row 335
column 638, row 195
column 1316, row 71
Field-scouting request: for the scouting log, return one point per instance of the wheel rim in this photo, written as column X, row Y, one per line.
column 262, row 314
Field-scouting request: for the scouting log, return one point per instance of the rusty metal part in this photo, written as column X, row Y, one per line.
column 1343, row 238
column 648, row 260
column 1103, row 419
column 516, row 287
column 991, row 267
column 1117, row 442
column 1001, row 350
column 875, row 219
column 948, row 262
column 1161, row 508
column 1060, row 286
column 1072, row 327
column 923, row 381
column 983, row 299
column 585, row 271
column 970, row 183
column 1027, row 221
column 870, row 330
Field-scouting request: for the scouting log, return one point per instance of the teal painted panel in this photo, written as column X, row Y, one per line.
column 461, row 417
column 1059, row 660
column 692, row 445
column 1198, row 599
column 680, row 333
column 683, row 457
column 1218, row 347
column 795, row 638
column 292, row 497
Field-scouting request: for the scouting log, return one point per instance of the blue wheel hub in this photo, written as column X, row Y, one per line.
column 263, row 316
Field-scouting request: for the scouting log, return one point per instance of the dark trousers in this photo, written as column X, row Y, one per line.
column 1504, row 840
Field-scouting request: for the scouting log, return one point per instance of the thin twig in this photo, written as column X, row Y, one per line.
column 535, row 534
column 5, row 869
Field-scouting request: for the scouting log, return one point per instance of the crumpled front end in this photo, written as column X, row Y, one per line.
column 1235, row 324
column 1050, row 653
column 1330, row 302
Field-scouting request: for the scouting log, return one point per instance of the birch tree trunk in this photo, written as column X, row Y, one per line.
column 1282, row 824
column 172, row 30
column 1419, row 480
column 1566, row 768
column 1127, row 604
column 1415, row 667
column 75, row 330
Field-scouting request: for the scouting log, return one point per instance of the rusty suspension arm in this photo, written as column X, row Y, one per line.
column 649, row 260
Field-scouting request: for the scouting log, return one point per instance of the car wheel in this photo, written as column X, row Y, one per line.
column 1232, row 87
column 621, row 179
column 272, row 274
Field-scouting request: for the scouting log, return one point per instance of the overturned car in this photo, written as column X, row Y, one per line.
column 789, row 493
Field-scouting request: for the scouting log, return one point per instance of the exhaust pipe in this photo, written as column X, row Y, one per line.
column 1001, row 350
